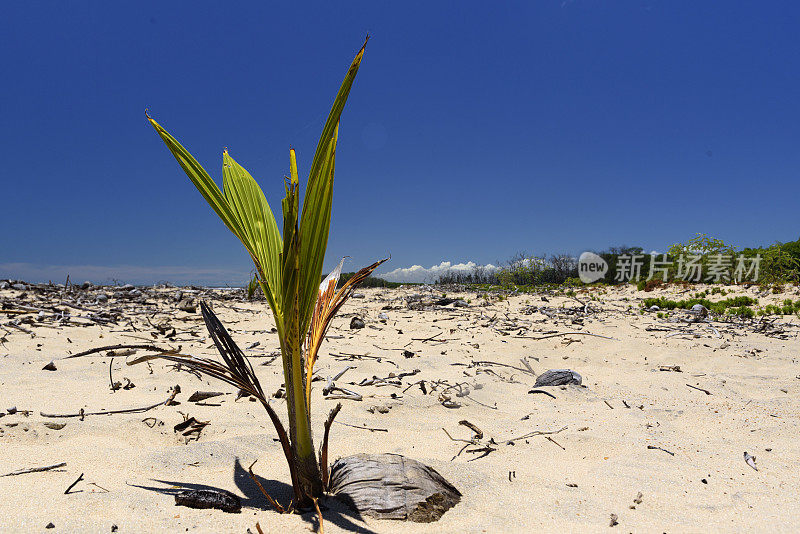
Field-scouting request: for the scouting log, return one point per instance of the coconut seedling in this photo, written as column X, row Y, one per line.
column 288, row 268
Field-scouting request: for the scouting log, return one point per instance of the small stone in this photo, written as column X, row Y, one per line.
column 50, row 525
column 356, row 322
column 383, row 317
column 699, row 310
column 357, row 296
column 86, row 285
column 127, row 287
column 135, row 293
column 49, row 367
column 12, row 410
column 19, row 287
column 461, row 303
column 102, row 298
column 4, row 285
column 408, row 354
column 54, row 426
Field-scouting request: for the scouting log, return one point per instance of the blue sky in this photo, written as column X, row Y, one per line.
column 474, row 130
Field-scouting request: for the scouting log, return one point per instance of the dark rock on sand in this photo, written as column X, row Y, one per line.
column 558, row 377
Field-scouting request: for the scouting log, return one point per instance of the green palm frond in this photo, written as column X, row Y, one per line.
column 316, row 217
column 250, row 207
column 244, row 210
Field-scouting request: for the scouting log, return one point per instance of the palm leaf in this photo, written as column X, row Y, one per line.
column 244, row 210
column 200, row 178
column 250, row 207
column 316, row 216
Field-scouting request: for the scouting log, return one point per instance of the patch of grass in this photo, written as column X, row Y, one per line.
column 787, row 308
column 718, row 307
column 742, row 311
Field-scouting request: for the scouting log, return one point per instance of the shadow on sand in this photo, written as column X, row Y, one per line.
column 333, row 510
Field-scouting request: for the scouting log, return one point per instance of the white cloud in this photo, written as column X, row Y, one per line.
column 418, row 273
column 134, row 274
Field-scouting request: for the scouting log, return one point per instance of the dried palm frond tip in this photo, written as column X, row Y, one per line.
column 328, row 304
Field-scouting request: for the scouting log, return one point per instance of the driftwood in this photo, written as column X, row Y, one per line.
column 39, row 469
column 390, row 486
column 558, row 377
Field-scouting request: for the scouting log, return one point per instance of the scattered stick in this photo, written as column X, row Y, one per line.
column 99, row 486
column 111, row 377
column 536, row 433
column 153, row 348
column 569, row 334
column 66, row 492
column 478, row 431
column 35, row 469
column 473, row 441
column 526, row 371
column 83, row 414
column 12, row 325
column 653, row 447
column 363, row 427
column 427, row 338
column 699, row 389
column 485, row 450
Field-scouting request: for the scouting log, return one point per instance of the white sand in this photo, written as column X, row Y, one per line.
column 604, row 453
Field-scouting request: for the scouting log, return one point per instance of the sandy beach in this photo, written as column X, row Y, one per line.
column 656, row 433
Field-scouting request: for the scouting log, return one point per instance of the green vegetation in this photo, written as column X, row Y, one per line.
column 780, row 263
column 715, row 261
column 252, row 288
column 288, row 271
column 787, row 308
column 738, row 306
column 718, row 308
